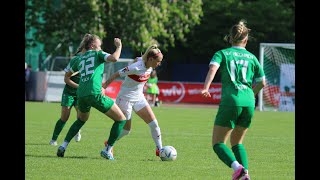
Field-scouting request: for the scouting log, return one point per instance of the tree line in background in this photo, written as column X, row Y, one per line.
column 188, row 31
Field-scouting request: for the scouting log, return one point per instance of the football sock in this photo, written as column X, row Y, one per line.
column 57, row 129
column 235, row 165
column 241, row 155
column 224, row 153
column 74, row 129
column 156, row 133
column 123, row 133
column 115, row 132
column 108, row 148
column 65, row 144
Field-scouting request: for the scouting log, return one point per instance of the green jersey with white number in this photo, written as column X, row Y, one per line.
column 76, row 78
column 91, row 68
column 238, row 68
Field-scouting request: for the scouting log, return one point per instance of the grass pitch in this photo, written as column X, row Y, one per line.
column 270, row 144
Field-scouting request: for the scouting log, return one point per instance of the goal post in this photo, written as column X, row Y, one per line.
column 278, row 62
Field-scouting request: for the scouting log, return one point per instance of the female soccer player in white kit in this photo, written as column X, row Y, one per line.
column 131, row 97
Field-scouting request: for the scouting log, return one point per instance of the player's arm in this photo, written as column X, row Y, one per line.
column 68, row 81
column 210, row 76
column 116, row 55
column 131, row 69
column 260, row 78
column 109, row 81
column 260, row 83
column 69, row 72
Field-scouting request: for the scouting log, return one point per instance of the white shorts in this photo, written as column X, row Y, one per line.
column 126, row 106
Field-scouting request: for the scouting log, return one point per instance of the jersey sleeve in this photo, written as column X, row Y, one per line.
column 103, row 55
column 131, row 69
column 72, row 61
column 259, row 73
column 67, row 69
column 74, row 66
column 216, row 59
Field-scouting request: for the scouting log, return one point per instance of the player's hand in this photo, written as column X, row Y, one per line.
column 117, row 42
column 205, row 93
column 103, row 91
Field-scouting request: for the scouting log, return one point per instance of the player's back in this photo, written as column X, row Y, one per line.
column 238, row 67
column 91, row 68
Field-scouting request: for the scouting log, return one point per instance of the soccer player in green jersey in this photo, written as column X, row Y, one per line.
column 68, row 99
column 238, row 69
column 89, row 92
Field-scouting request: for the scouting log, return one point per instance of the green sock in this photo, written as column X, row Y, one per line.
column 224, row 153
column 57, row 129
column 115, row 132
column 241, row 155
column 74, row 129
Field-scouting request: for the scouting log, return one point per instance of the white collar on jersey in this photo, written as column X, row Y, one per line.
column 239, row 47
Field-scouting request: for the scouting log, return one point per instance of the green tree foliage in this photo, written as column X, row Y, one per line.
column 63, row 21
column 270, row 21
column 138, row 23
column 188, row 31
column 142, row 23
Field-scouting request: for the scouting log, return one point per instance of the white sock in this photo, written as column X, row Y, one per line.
column 235, row 165
column 108, row 148
column 156, row 133
column 65, row 144
column 123, row 133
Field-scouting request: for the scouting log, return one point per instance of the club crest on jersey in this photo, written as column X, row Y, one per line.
column 125, row 69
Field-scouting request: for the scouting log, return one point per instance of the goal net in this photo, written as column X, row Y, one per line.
column 278, row 62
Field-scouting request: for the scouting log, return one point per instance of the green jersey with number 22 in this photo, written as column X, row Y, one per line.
column 91, row 68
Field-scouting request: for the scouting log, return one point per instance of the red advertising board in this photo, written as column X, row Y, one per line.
column 188, row 92
column 113, row 89
column 185, row 92
column 177, row 92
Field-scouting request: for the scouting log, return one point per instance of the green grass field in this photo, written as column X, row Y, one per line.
column 270, row 144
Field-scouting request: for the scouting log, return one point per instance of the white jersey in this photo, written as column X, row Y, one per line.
column 136, row 75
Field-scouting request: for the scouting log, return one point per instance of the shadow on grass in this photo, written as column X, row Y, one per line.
column 151, row 160
column 66, row 157
column 83, row 157
column 37, row 144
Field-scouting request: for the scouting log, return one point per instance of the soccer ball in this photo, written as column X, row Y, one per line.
column 168, row 153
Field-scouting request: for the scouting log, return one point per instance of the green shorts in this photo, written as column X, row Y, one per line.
column 68, row 100
column 230, row 116
column 154, row 89
column 98, row 101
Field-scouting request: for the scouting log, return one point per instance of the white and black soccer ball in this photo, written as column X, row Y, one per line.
column 168, row 153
